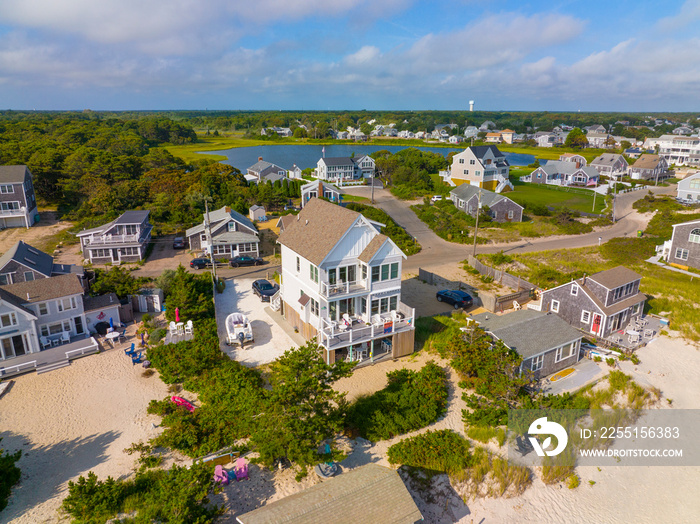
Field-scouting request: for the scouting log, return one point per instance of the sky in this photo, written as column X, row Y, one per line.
column 594, row 55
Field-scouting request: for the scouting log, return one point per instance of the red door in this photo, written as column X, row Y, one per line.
column 596, row 324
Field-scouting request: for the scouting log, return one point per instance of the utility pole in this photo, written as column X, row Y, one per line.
column 594, row 194
column 372, row 200
column 211, row 241
column 476, row 226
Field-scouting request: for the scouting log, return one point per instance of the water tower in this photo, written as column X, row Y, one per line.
column 471, row 105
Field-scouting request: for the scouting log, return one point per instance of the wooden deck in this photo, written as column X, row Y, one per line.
column 49, row 358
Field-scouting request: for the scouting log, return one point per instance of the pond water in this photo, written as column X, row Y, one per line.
column 287, row 156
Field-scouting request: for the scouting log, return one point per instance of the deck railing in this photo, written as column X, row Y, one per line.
column 8, row 370
column 342, row 288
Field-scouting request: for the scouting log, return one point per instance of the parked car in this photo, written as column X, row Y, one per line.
column 458, row 298
column 200, row 263
column 436, row 198
column 264, row 289
column 179, row 243
column 246, row 261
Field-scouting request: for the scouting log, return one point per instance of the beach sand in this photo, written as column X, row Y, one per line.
column 81, row 418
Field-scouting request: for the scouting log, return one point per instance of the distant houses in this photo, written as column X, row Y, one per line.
column 610, row 165
column 319, row 189
column 689, row 188
column 24, row 263
column 649, row 167
column 263, row 171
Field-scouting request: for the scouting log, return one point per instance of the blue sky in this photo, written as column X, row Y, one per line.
column 613, row 55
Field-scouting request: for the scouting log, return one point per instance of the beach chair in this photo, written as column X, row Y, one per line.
column 377, row 320
column 241, row 469
column 131, row 351
column 136, row 359
column 516, row 305
column 45, row 343
column 173, row 328
column 189, row 328
column 65, row 338
column 220, row 475
column 122, row 335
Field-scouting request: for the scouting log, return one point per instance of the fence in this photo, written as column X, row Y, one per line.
column 502, row 277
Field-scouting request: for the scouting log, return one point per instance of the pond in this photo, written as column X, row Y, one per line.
column 304, row 156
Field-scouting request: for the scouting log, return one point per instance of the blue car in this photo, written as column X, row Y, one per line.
column 459, row 299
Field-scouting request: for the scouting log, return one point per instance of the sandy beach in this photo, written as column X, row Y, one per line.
column 80, row 419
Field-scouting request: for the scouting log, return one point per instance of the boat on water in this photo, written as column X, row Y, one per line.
column 238, row 329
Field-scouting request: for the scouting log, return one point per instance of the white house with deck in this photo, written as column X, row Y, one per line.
column 341, row 283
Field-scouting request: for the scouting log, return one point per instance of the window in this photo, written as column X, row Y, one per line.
column 564, row 352
column 585, row 316
column 5, row 189
column 100, row 253
column 385, row 271
column 28, row 276
column 5, row 280
column 555, row 306
column 231, row 226
column 55, row 329
column 9, row 206
column 477, row 173
column 461, row 161
column 134, row 251
column 574, row 290
column 203, row 238
column 510, row 215
column 298, row 265
column 393, row 303
column 8, row 319
column 375, row 273
column 364, row 272
column 694, row 236
column 536, row 363
column 466, row 171
column 43, row 308
column 472, row 162
column 314, row 306
column 313, row 273
column 681, row 254
column 66, row 303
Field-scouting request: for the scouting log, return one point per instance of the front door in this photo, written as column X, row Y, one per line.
column 78, row 325
column 597, row 319
column 115, row 255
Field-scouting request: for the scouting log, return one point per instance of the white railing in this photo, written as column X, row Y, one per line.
column 343, row 288
column 13, row 212
column 276, row 301
column 115, row 239
column 7, row 370
column 82, row 351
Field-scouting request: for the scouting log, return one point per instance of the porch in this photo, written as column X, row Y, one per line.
column 636, row 333
column 50, row 358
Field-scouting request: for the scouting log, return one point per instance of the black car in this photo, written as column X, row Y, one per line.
column 200, row 263
column 179, row 243
column 264, row 289
column 459, row 299
column 246, row 261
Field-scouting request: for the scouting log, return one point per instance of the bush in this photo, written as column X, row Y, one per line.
column 9, row 475
column 573, row 481
column 395, row 232
column 410, row 401
column 482, row 433
column 439, row 451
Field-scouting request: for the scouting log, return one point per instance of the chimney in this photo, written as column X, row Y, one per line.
column 227, row 209
column 259, row 159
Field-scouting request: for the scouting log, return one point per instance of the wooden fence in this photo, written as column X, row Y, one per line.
column 502, row 277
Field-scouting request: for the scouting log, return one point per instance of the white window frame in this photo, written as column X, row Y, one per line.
column 313, row 273
column 555, row 306
column 71, row 304
column 537, row 362
column 11, row 319
column 681, row 253
column 56, row 328
column 586, row 317
column 510, row 214
column 4, row 189
column 574, row 290
column 694, row 237
column 298, row 265
column 43, row 308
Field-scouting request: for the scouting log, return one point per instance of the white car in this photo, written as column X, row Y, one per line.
column 436, row 198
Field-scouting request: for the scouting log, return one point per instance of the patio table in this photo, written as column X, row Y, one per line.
column 112, row 337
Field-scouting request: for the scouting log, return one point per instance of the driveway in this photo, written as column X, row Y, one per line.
column 270, row 339
column 438, row 252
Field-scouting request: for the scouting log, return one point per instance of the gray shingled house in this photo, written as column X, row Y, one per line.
column 546, row 343
column 684, row 247
column 263, row 171
column 23, row 263
column 599, row 304
column 17, row 198
column 233, row 234
column 610, row 164
column 122, row 240
column 501, row 208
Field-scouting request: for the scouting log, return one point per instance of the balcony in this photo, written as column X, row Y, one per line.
column 366, row 328
column 13, row 212
column 341, row 289
column 136, row 238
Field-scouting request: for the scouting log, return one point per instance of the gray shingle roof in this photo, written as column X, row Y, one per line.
column 28, row 256
column 606, row 159
column 100, row 302
column 372, row 248
column 615, row 277
column 527, row 331
column 480, row 151
column 488, row 198
column 132, row 217
column 368, row 494
column 262, row 165
column 338, row 161
column 222, row 215
column 45, row 289
column 647, row 161
column 13, row 174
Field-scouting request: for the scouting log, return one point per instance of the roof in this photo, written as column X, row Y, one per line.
column 488, row 198
column 100, row 302
column 64, row 269
column 222, row 215
column 235, row 237
column 30, row 257
column 284, row 221
column 338, row 161
column 647, row 161
column 13, row 174
column 15, row 301
column 615, row 277
column 372, row 248
column 314, row 184
column 607, row 159
column 132, row 217
column 45, row 289
column 692, row 222
column 480, row 151
column 529, row 332
column 262, row 165
column 370, row 493
column 317, row 229
column 255, row 207
column 553, row 167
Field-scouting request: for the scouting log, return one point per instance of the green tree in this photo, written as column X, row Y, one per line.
column 9, row 474
column 302, row 409
column 191, row 295
column 576, row 139
column 116, row 280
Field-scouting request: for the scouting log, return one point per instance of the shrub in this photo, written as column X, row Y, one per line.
column 410, row 401
column 501, row 258
column 573, row 481
column 610, row 362
column 395, row 232
column 439, row 451
column 482, row 433
column 9, row 475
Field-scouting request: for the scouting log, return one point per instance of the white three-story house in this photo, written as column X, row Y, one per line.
column 341, row 283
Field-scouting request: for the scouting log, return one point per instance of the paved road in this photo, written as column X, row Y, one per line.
column 437, row 252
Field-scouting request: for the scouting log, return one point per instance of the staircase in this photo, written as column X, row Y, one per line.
column 503, row 183
column 53, row 366
column 276, row 301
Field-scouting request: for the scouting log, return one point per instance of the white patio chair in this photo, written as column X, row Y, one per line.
column 173, row 328
column 347, row 319
column 516, row 305
column 648, row 333
column 45, row 343
column 189, row 328
column 377, row 320
column 65, row 337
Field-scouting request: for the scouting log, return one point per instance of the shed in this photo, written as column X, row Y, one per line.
column 257, row 213
column 148, row 300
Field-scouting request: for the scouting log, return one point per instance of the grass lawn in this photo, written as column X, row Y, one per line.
column 354, row 198
column 551, row 153
column 539, row 194
column 189, row 152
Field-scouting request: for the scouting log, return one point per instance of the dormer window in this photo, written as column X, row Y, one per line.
column 232, row 226
column 574, row 290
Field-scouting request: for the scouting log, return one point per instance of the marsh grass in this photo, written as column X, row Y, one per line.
column 493, row 476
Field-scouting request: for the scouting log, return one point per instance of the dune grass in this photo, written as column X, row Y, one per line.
column 542, row 195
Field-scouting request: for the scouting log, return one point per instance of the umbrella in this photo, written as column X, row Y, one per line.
column 111, row 322
column 177, row 314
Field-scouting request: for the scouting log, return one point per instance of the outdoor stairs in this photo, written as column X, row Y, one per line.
column 276, row 301
column 503, row 182
column 53, row 366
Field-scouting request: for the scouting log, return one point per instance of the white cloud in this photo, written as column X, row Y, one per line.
column 689, row 14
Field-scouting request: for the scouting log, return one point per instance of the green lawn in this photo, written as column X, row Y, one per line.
column 354, row 198
column 537, row 194
column 189, row 152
